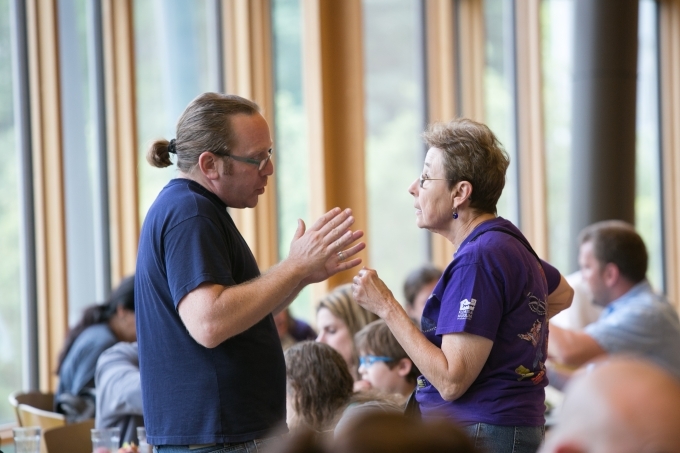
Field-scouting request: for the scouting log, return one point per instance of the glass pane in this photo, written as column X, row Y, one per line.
column 80, row 172
column 290, row 142
column 10, row 302
column 499, row 93
column 176, row 60
column 557, row 35
column 648, row 219
column 556, row 46
column 393, row 65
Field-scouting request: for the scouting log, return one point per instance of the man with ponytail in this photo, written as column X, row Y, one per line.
column 211, row 363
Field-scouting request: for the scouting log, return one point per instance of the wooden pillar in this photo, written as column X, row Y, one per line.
column 470, row 38
column 442, row 88
column 121, row 125
column 334, row 100
column 531, row 149
column 248, row 73
column 455, row 69
column 48, row 186
column 669, row 37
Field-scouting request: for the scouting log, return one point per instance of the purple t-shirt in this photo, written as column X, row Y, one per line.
column 494, row 288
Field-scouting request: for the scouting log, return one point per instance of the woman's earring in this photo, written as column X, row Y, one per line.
column 455, row 213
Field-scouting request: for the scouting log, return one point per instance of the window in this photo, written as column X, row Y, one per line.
column 499, row 93
column 88, row 281
column 10, row 226
column 393, row 84
column 176, row 59
column 556, row 29
column 290, row 136
column 557, row 42
column 648, row 216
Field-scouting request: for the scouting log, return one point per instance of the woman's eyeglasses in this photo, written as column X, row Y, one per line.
column 422, row 180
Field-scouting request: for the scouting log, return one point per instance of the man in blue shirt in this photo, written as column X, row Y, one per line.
column 211, row 363
column 613, row 261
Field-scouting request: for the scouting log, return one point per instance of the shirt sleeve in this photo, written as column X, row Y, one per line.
column 196, row 251
column 552, row 275
column 631, row 330
column 472, row 302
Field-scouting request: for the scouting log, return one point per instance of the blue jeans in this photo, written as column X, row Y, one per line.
column 506, row 439
column 251, row 446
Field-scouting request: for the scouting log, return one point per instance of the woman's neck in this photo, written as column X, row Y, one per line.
column 466, row 224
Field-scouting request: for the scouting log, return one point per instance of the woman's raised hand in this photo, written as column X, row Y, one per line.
column 371, row 292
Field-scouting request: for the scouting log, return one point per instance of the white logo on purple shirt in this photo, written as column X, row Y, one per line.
column 467, row 307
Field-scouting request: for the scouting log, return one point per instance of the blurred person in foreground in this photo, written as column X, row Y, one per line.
column 339, row 318
column 381, row 432
column 417, row 289
column 618, row 404
column 613, row 261
column 483, row 344
column 211, row 362
column 320, row 394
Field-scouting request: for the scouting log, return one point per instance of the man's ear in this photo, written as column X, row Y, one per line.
column 209, row 166
column 610, row 274
column 404, row 367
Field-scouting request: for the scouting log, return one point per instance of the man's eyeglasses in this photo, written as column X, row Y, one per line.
column 422, row 179
column 368, row 360
column 260, row 163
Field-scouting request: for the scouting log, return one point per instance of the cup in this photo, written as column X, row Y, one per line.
column 141, row 436
column 105, row 440
column 27, row 439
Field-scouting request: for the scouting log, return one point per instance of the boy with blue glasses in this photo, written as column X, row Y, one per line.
column 383, row 362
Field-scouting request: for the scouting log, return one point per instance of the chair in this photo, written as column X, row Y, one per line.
column 32, row 416
column 73, row 438
column 39, row 400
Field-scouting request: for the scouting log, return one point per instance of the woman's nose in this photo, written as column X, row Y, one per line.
column 413, row 187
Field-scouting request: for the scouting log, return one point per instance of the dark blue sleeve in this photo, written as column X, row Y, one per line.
column 196, row 251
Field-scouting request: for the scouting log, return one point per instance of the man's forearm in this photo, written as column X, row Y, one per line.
column 570, row 347
column 213, row 313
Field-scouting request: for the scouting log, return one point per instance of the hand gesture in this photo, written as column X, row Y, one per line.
column 324, row 249
column 371, row 292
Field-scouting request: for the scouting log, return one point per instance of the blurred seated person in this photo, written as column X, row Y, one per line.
column 319, row 390
column 418, row 287
column 613, row 261
column 618, row 405
column 383, row 363
column 583, row 309
column 338, row 319
column 582, row 312
column 380, row 432
column 292, row 330
column 119, row 391
column 100, row 327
